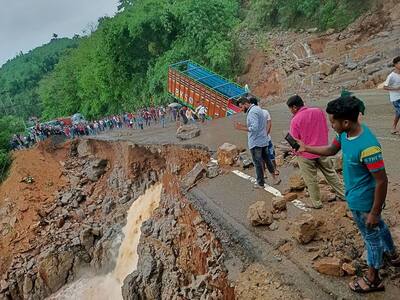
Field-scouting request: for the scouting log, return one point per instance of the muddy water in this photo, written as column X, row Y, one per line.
column 108, row 287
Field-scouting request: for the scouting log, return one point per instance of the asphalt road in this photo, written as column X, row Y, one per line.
column 228, row 196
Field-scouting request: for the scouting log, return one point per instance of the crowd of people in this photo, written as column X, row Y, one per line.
column 365, row 180
column 146, row 117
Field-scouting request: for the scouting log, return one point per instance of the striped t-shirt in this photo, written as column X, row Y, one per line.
column 362, row 156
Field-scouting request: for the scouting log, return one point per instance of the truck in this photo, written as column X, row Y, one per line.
column 193, row 85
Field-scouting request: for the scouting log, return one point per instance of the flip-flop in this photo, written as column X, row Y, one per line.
column 371, row 286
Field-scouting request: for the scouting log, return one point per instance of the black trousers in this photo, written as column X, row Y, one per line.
column 260, row 156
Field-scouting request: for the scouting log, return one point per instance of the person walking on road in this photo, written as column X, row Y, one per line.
column 309, row 125
column 270, row 147
column 189, row 116
column 162, row 114
column 182, row 115
column 257, row 139
column 366, row 185
column 392, row 84
column 201, row 111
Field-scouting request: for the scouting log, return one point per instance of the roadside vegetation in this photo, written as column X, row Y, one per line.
column 123, row 63
column 303, row 14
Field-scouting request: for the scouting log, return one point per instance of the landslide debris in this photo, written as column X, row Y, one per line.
column 78, row 225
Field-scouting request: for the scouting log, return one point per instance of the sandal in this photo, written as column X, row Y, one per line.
column 395, row 132
column 376, row 286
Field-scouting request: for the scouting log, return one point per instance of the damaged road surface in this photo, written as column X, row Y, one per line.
column 66, row 230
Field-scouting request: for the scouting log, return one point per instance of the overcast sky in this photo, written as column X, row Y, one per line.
column 26, row 24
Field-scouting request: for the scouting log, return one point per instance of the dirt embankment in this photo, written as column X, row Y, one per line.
column 321, row 64
column 36, row 175
column 66, row 218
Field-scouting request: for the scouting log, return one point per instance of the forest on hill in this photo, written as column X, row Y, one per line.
column 123, row 64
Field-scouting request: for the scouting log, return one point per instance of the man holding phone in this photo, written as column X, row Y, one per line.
column 366, row 186
column 309, row 125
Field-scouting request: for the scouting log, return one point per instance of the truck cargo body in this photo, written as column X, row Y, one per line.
column 193, row 84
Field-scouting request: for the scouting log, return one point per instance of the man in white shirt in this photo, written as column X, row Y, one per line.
column 392, row 84
column 201, row 111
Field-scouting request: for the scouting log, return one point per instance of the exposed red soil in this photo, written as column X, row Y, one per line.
column 20, row 201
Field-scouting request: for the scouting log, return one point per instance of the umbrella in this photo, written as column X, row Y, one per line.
column 174, row 104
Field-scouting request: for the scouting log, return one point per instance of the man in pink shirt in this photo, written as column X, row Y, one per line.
column 310, row 126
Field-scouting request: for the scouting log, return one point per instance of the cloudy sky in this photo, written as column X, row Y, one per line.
column 26, row 24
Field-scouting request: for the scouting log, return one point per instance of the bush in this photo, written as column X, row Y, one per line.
column 5, row 162
column 9, row 125
column 324, row 14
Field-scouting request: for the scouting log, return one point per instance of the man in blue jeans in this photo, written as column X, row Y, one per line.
column 392, row 84
column 257, row 139
column 365, row 183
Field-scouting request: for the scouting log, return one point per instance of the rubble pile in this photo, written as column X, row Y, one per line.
column 80, row 228
column 319, row 64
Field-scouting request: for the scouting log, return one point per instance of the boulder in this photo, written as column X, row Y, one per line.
column 259, row 214
column 107, row 206
column 84, row 148
column 124, row 199
column 349, row 269
column 86, row 238
column 53, row 270
column 3, row 286
column 194, row 175
column 312, row 30
column 187, row 132
column 369, row 70
column 328, row 68
column 330, row 31
column 296, row 183
column 227, row 154
column 329, row 266
column 279, row 204
column 27, row 286
column 245, row 160
column 328, row 197
column 304, row 229
column 212, row 170
column 290, row 197
column 274, row 226
column 379, row 77
column 372, row 59
column 341, row 209
column 95, row 169
column 67, row 198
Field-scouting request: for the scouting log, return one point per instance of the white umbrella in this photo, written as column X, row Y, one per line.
column 174, row 104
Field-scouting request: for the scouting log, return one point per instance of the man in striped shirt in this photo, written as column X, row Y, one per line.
column 365, row 183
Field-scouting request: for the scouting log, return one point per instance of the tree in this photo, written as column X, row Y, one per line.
column 124, row 4
column 20, row 77
column 124, row 63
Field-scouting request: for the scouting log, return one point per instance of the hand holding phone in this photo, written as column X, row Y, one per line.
column 292, row 142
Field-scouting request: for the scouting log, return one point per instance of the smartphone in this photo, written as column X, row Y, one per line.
column 292, row 142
